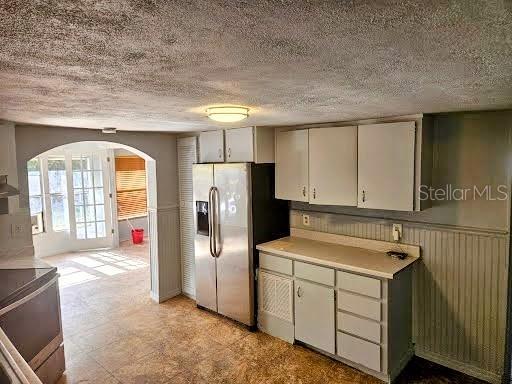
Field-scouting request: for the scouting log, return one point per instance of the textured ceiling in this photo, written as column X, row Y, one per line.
column 156, row 65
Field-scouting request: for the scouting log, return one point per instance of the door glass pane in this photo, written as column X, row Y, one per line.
column 80, row 231
column 77, row 179
column 89, row 196
column 79, row 197
column 57, row 175
column 91, row 230
column 89, row 213
column 100, row 212
column 96, row 162
column 79, row 214
column 86, row 163
column 98, row 179
column 88, row 179
column 101, row 229
column 75, row 163
column 36, row 205
column 98, row 196
column 60, row 212
column 34, row 183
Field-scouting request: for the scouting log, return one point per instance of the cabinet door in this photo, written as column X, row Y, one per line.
column 292, row 178
column 314, row 315
column 386, row 166
column 333, row 166
column 239, row 145
column 211, row 147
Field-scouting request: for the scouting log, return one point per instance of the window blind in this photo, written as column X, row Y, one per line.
column 131, row 187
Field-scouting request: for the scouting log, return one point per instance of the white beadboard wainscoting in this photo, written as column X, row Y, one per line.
column 165, row 259
column 459, row 290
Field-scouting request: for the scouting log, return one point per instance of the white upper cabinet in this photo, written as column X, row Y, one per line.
column 211, row 147
column 242, row 145
column 250, row 144
column 292, row 175
column 239, row 145
column 386, row 154
column 333, row 166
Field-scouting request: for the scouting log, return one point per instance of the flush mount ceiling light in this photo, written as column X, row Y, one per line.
column 227, row 114
column 109, row 130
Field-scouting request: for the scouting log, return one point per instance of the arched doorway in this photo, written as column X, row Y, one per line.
column 75, row 188
column 163, row 207
column 155, row 250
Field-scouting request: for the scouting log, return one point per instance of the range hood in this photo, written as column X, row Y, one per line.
column 7, row 190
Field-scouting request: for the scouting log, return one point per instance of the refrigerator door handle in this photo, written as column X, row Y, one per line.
column 210, row 220
column 216, row 210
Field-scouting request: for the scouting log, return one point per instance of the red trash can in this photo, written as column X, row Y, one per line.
column 137, row 235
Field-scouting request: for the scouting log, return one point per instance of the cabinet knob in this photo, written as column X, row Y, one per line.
column 304, row 191
column 299, row 292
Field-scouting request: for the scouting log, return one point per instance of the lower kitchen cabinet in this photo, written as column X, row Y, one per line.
column 361, row 320
column 315, row 315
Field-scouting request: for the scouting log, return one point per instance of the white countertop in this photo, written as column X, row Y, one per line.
column 337, row 256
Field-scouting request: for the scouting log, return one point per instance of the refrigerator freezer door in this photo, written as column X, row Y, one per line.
column 206, row 282
column 235, row 286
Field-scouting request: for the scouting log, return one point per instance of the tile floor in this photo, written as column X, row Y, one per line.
column 114, row 333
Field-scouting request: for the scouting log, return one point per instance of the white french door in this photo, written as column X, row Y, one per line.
column 91, row 210
column 76, row 202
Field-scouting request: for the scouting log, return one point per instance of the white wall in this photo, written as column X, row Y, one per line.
column 11, row 244
column 31, row 140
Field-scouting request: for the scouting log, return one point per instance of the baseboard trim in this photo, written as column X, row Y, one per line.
column 169, row 295
column 459, row 366
column 190, row 296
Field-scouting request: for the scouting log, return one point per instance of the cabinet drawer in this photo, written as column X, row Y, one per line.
column 314, row 273
column 360, row 305
column 360, row 284
column 359, row 351
column 276, row 264
column 367, row 329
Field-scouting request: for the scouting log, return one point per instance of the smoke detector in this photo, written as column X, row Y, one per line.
column 109, row 130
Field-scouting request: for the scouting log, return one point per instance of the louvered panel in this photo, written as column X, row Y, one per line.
column 276, row 296
column 187, row 156
column 187, row 249
column 459, row 292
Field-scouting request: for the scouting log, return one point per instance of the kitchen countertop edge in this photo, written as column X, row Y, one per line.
column 265, row 247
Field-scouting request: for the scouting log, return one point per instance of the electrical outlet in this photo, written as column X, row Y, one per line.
column 305, row 220
column 397, row 232
column 17, row 230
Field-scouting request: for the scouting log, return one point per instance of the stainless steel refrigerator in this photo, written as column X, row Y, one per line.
column 234, row 210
